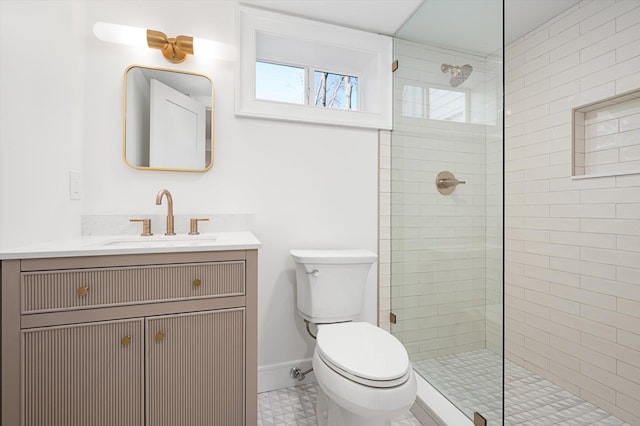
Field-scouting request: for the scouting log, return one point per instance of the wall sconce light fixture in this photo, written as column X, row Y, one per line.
column 175, row 50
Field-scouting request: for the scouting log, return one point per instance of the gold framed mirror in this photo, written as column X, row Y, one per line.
column 168, row 120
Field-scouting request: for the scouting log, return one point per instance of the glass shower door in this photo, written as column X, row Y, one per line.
column 447, row 218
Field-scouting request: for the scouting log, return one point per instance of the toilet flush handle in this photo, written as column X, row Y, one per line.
column 315, row 273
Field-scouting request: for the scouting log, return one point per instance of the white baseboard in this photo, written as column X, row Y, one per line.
column 276, row 376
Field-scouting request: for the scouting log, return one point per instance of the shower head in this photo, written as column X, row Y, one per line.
column 458, row 74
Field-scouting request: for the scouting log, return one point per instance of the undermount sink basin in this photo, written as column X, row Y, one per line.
column 161, row 240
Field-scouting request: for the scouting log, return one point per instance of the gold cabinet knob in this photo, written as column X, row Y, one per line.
column 125, row 341
column 197, row 282
column 159, row 336
column 82, row 291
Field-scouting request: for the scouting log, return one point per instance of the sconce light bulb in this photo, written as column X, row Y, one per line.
column 213, row 49
column 123, row 34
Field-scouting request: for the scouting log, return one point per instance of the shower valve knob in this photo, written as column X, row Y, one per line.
column 446, row 182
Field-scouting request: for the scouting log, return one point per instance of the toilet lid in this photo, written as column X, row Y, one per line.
column 363, row 351
column 333, row 257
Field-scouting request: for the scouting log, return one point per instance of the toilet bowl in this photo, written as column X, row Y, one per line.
column 364, row 374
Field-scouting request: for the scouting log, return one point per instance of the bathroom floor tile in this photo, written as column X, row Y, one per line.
column 470, row 380
column 295, row 406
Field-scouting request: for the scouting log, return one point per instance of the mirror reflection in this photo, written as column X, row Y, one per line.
column 168, row 120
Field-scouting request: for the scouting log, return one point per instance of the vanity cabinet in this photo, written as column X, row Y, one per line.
column 144, row 339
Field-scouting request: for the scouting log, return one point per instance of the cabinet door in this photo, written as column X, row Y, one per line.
column 195, row 369
column 87, row 374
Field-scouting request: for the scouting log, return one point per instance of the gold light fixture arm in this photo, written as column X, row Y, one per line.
column 175, row 50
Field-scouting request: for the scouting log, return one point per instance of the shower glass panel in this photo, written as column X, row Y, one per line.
column 447, row 249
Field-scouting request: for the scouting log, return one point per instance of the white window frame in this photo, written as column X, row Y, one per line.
column 287, row 40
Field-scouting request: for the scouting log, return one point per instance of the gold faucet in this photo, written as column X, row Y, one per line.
column 161, row 193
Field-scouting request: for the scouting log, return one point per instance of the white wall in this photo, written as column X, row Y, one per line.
column 41, row 115
column 572, row 246
column 307, row 186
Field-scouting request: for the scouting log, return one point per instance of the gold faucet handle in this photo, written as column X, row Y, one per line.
column 194, row 225
column 146, row 226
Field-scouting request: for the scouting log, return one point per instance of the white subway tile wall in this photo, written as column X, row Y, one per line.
column 573, row 246
column 384, row 231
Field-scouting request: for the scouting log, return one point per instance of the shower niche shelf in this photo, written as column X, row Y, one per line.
column 606, row 137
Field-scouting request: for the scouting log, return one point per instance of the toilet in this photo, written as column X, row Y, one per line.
column 364, row 373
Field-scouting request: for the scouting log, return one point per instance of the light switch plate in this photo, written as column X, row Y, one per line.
column 75, row 185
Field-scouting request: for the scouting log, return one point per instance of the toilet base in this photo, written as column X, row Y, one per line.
column 328, row 413
column 342, row 402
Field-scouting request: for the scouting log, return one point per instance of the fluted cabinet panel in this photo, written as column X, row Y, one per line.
column 195, row 369
column 44, row 291
column 89, row 374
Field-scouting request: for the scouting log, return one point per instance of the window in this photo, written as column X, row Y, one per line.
column 280, row 83
column 414, row 102
column 302, row 70
column 434, row 103
column 286, row 83
column 335, row 90
column 447, row 105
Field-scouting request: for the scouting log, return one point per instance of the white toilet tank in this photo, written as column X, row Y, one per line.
column 330, row 283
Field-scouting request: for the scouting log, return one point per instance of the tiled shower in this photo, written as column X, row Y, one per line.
column 573, row 239
column 571, row 217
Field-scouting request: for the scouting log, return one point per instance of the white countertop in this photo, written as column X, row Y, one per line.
column 109, row 245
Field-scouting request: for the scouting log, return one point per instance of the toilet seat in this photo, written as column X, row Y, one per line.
column 363, row 353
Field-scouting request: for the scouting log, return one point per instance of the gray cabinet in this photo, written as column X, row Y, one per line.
column 84, row 374
column 148, row 340
column 195, row 369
